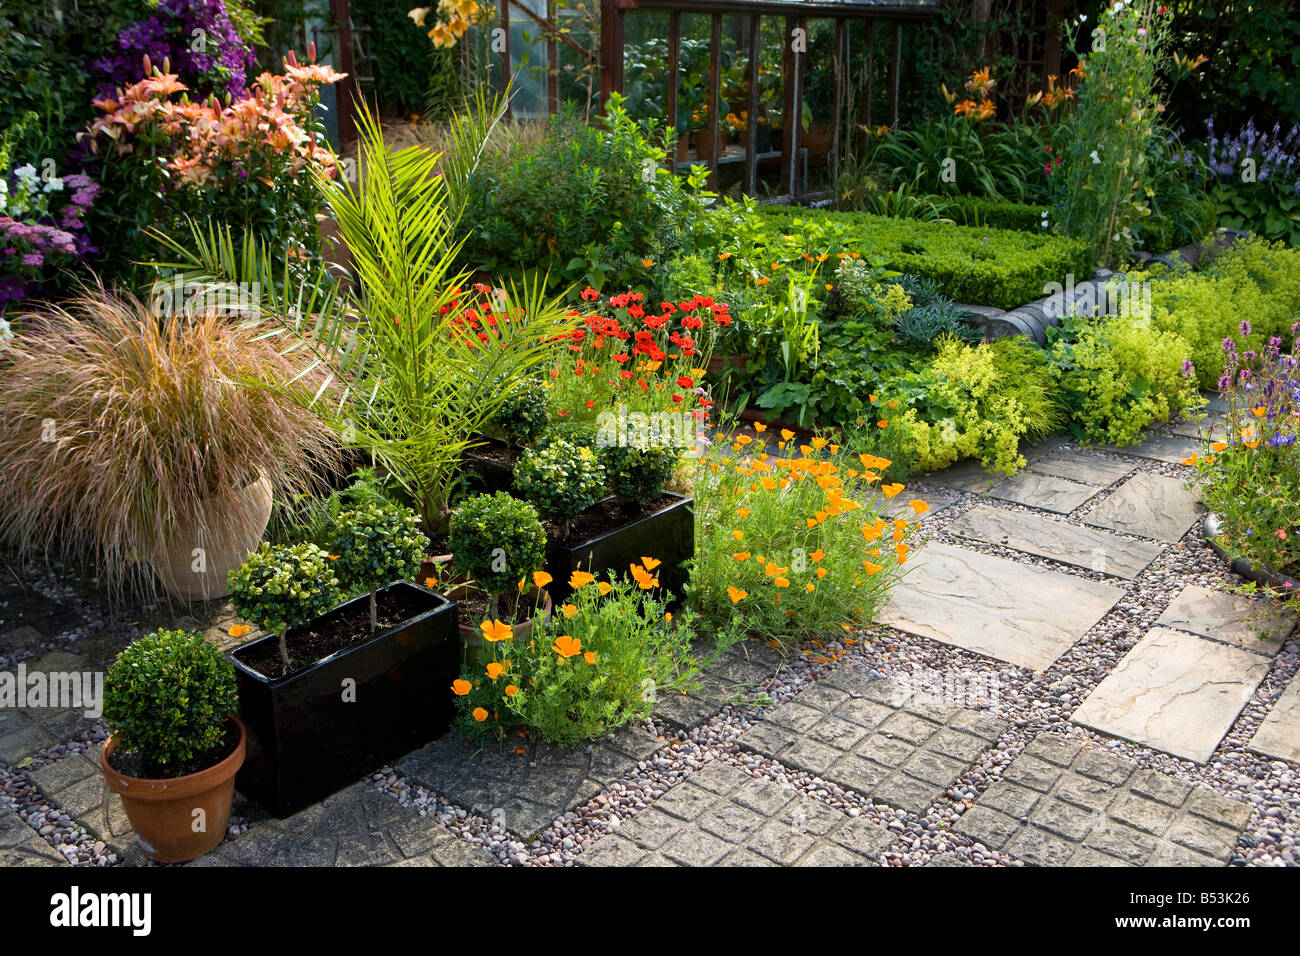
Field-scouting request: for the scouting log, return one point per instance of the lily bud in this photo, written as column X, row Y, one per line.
column 292, row 59
column 148, row 67
column 311, row 52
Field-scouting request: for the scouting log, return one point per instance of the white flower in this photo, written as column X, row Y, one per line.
column 26, row 172
column 6, row 332
column 1096, row 160
column 54, row 185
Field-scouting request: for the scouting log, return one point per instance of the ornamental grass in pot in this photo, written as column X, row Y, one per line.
column 150, row 445
column 176, row 745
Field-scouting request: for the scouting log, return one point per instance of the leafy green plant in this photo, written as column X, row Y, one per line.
column 523, row 416
column 1118, row 374
column 599, row 663
column 638, row 472
column 921, row 325
column 168, row 698
column 315, row 518
column 561, row 479
column 498, row 541
column 280, row 588
column 377, row 545
column 98, row 442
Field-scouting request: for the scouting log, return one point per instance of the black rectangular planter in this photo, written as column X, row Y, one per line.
column 311, row 733
column 668, row 535
column 487, row 475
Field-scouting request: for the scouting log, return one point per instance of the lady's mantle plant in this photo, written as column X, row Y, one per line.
column 562, row 480
column 377, row 545
column 285, row 587
column 498, row 541
column 167, row 698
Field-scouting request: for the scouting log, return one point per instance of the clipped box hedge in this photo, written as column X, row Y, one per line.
column 993, row 213
column 978, row 265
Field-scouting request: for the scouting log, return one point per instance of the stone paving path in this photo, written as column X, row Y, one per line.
column 790, row 762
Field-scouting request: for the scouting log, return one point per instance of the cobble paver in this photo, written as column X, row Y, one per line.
column 1065, row 803
column 875, row 737
column 737, row 677
column 722, row 816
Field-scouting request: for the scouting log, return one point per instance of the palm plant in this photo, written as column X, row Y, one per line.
column 418, row 361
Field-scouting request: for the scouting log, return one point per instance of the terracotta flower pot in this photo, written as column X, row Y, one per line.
column 232, row 529
column 163, row 812
column 471, row 635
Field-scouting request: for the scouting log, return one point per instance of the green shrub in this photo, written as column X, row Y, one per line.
column 498, row 541
column 638, row 473
column 523, row 416
column 377, row 545
column 167, row 698
column 995, row 214
column 1117, row 375
column 284, row 587
column 985, row 266
column 922, row 325
column 316, row 518
column 562, row 480
column 578, row 205
column 600, row 662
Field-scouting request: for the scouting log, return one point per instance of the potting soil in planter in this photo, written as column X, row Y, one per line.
column 133, row 765
column 616, row 532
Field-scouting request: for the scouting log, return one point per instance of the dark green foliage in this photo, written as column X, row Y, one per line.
column 561, row 479
column 920, row 326
column 638, row 473
column 523, row 416
column 167, row 698
column 497, row 540
column 377, row 545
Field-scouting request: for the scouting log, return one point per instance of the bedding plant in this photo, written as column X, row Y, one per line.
column 597, row 664
column 796, row 546
column 1250, row 478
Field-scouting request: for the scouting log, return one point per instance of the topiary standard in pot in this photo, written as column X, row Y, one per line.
column 562, row 480
column 338, row 691
column 498, row 542
column 175, row 747
column 377, row 545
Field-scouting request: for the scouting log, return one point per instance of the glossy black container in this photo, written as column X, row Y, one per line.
column 668, row 535
column 305, row 741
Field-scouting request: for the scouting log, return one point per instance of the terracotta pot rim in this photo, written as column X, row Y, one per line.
column 173, row 788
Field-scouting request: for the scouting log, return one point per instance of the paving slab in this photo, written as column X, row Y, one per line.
column 1152, row 506
column 1232, row 618
column 1048, row 538
column 1172, row 449
column 968, row 476
column 1024, row 615
column 1061, row 803
column 358, row 826
column 1212, row 427
column 722, row 816
column 1174, row 692
column 1279, row 733
column 876, row 737
column 899, row 506
column 1086, row 469
column 526, row 792
column 1046, row 492
column 738, row 677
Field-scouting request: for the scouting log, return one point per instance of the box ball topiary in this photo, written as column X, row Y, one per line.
column 377, row 545
column 523, row 416
column 278, row 588
column 638, row 473
column 497, row 540
column 562, row 480
column 167, row 698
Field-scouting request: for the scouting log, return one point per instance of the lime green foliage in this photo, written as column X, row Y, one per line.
column 497, row 540
column 1117, row 375
column 599, row 663
column 780, row 548
column 377, row 545
column 1256, row 281
column 284, row 587
column 994, row 213
column 167, row 698
column 562, row 480
column 987, row 266
column 982, row 402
